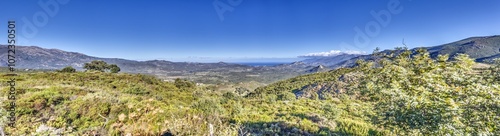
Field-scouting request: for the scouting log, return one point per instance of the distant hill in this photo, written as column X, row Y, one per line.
column 33, row 57
column 483, row 49
column 40, row 58
column 480, row 48
column 329, row 60
column 319, row 68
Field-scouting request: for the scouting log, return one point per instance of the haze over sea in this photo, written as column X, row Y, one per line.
column 261, row 63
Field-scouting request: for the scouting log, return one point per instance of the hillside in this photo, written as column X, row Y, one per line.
column 409, row 96
column 427, row 94
column 482, row 49
column 33, row 57
column 478, row 48
column 329, row 60
column 94, row 103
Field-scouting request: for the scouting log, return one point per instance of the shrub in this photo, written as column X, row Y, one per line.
column 287, row 96
column 68, row 69
column 114, row 68
column 208, row 106
column 184, row 85
column 270, row 98
column 97, row 65
column 136, row 90
column 102, row 66
column 231, row 96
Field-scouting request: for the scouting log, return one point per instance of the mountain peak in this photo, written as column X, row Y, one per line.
column 332, row 53
column 319, row 68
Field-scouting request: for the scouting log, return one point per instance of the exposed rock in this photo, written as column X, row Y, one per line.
column 328, row 89
column 319, row 68
column 44, row 129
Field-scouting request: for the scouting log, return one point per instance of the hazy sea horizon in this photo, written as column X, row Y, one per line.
column 261, row 63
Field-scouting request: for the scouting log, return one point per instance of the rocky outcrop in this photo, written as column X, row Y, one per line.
column 330, row 89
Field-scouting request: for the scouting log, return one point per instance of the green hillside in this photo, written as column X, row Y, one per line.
column 90, row 103
column 402, row 95
column 409, row 94
column 484, row 49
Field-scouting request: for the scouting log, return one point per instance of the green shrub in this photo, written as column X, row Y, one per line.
column 68, row 69
column 208, row 106
column 287, row 96
column 136, row 90
column 113, row 68
column 270, row 98
column 231, row 96
column 184, row 85
column 102, row 66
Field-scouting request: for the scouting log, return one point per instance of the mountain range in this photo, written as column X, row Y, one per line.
column 483, row 49
column 33, row 57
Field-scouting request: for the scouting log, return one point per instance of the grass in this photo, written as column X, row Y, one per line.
column 96, row 103
column 86, row 103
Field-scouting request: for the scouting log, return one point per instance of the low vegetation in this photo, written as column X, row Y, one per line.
column 400, row 93
column 67, row 69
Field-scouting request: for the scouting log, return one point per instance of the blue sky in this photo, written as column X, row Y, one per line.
column 192, row 30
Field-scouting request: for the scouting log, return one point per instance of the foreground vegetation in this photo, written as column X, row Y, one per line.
column 402, row 93
column 408, row 93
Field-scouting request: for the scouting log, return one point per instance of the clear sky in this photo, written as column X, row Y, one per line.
column 193, row 30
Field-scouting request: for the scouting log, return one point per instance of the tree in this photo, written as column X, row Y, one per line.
column 114, row 68
column 99, row 65
column 184, row 84
column 68, row 69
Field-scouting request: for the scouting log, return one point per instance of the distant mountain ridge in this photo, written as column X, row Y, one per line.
column 483, row 49
column 40, row 58
column 33, row 57
column 329, row 60
column 479, row 48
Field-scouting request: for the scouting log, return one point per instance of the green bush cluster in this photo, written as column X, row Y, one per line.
column 68, row 69
column 99, row 65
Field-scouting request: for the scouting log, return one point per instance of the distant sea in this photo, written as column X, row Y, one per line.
column 261, row 63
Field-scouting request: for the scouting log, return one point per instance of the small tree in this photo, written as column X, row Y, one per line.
column 184, row 84
column 99, row 65
column 114, row 68
column 68, row 69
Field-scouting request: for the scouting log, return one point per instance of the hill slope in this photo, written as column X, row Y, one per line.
column 34, row 57
column 409, row 95
column 482, row 49
column 85, row 103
